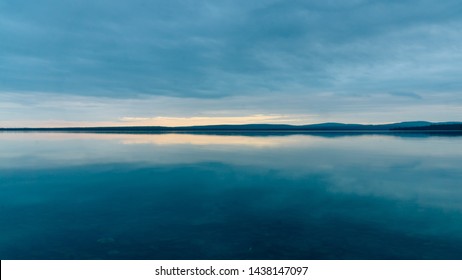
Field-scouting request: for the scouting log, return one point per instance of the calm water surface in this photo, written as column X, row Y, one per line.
column 181, row 196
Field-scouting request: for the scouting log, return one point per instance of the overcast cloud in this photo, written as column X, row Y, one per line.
column 302, row 61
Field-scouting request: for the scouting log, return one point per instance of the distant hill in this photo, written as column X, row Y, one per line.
column 401, row 126
column 406, row 124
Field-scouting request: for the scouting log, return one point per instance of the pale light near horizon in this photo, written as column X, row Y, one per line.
column 197, row 121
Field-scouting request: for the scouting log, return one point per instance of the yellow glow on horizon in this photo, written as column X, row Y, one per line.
column 168, row 121
column 198, row 121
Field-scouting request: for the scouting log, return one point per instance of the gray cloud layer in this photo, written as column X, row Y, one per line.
column 209, row 49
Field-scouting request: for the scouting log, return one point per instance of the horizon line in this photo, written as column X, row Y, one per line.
column 422, row 123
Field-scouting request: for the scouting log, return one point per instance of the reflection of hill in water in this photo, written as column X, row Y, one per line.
column 257, row 133
column 325, row 134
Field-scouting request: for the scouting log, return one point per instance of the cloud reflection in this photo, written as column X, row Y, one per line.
column 422, row 169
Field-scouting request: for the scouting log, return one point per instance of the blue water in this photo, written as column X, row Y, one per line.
column 181, row 196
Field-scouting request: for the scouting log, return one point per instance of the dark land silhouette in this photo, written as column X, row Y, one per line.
column 416, row 126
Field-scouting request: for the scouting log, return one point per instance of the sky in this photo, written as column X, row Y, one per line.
column 173, row 63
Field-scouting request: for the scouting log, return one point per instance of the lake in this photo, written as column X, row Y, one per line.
column 230, row 196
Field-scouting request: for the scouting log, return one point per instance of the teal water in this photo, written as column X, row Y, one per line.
column 183, row 196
